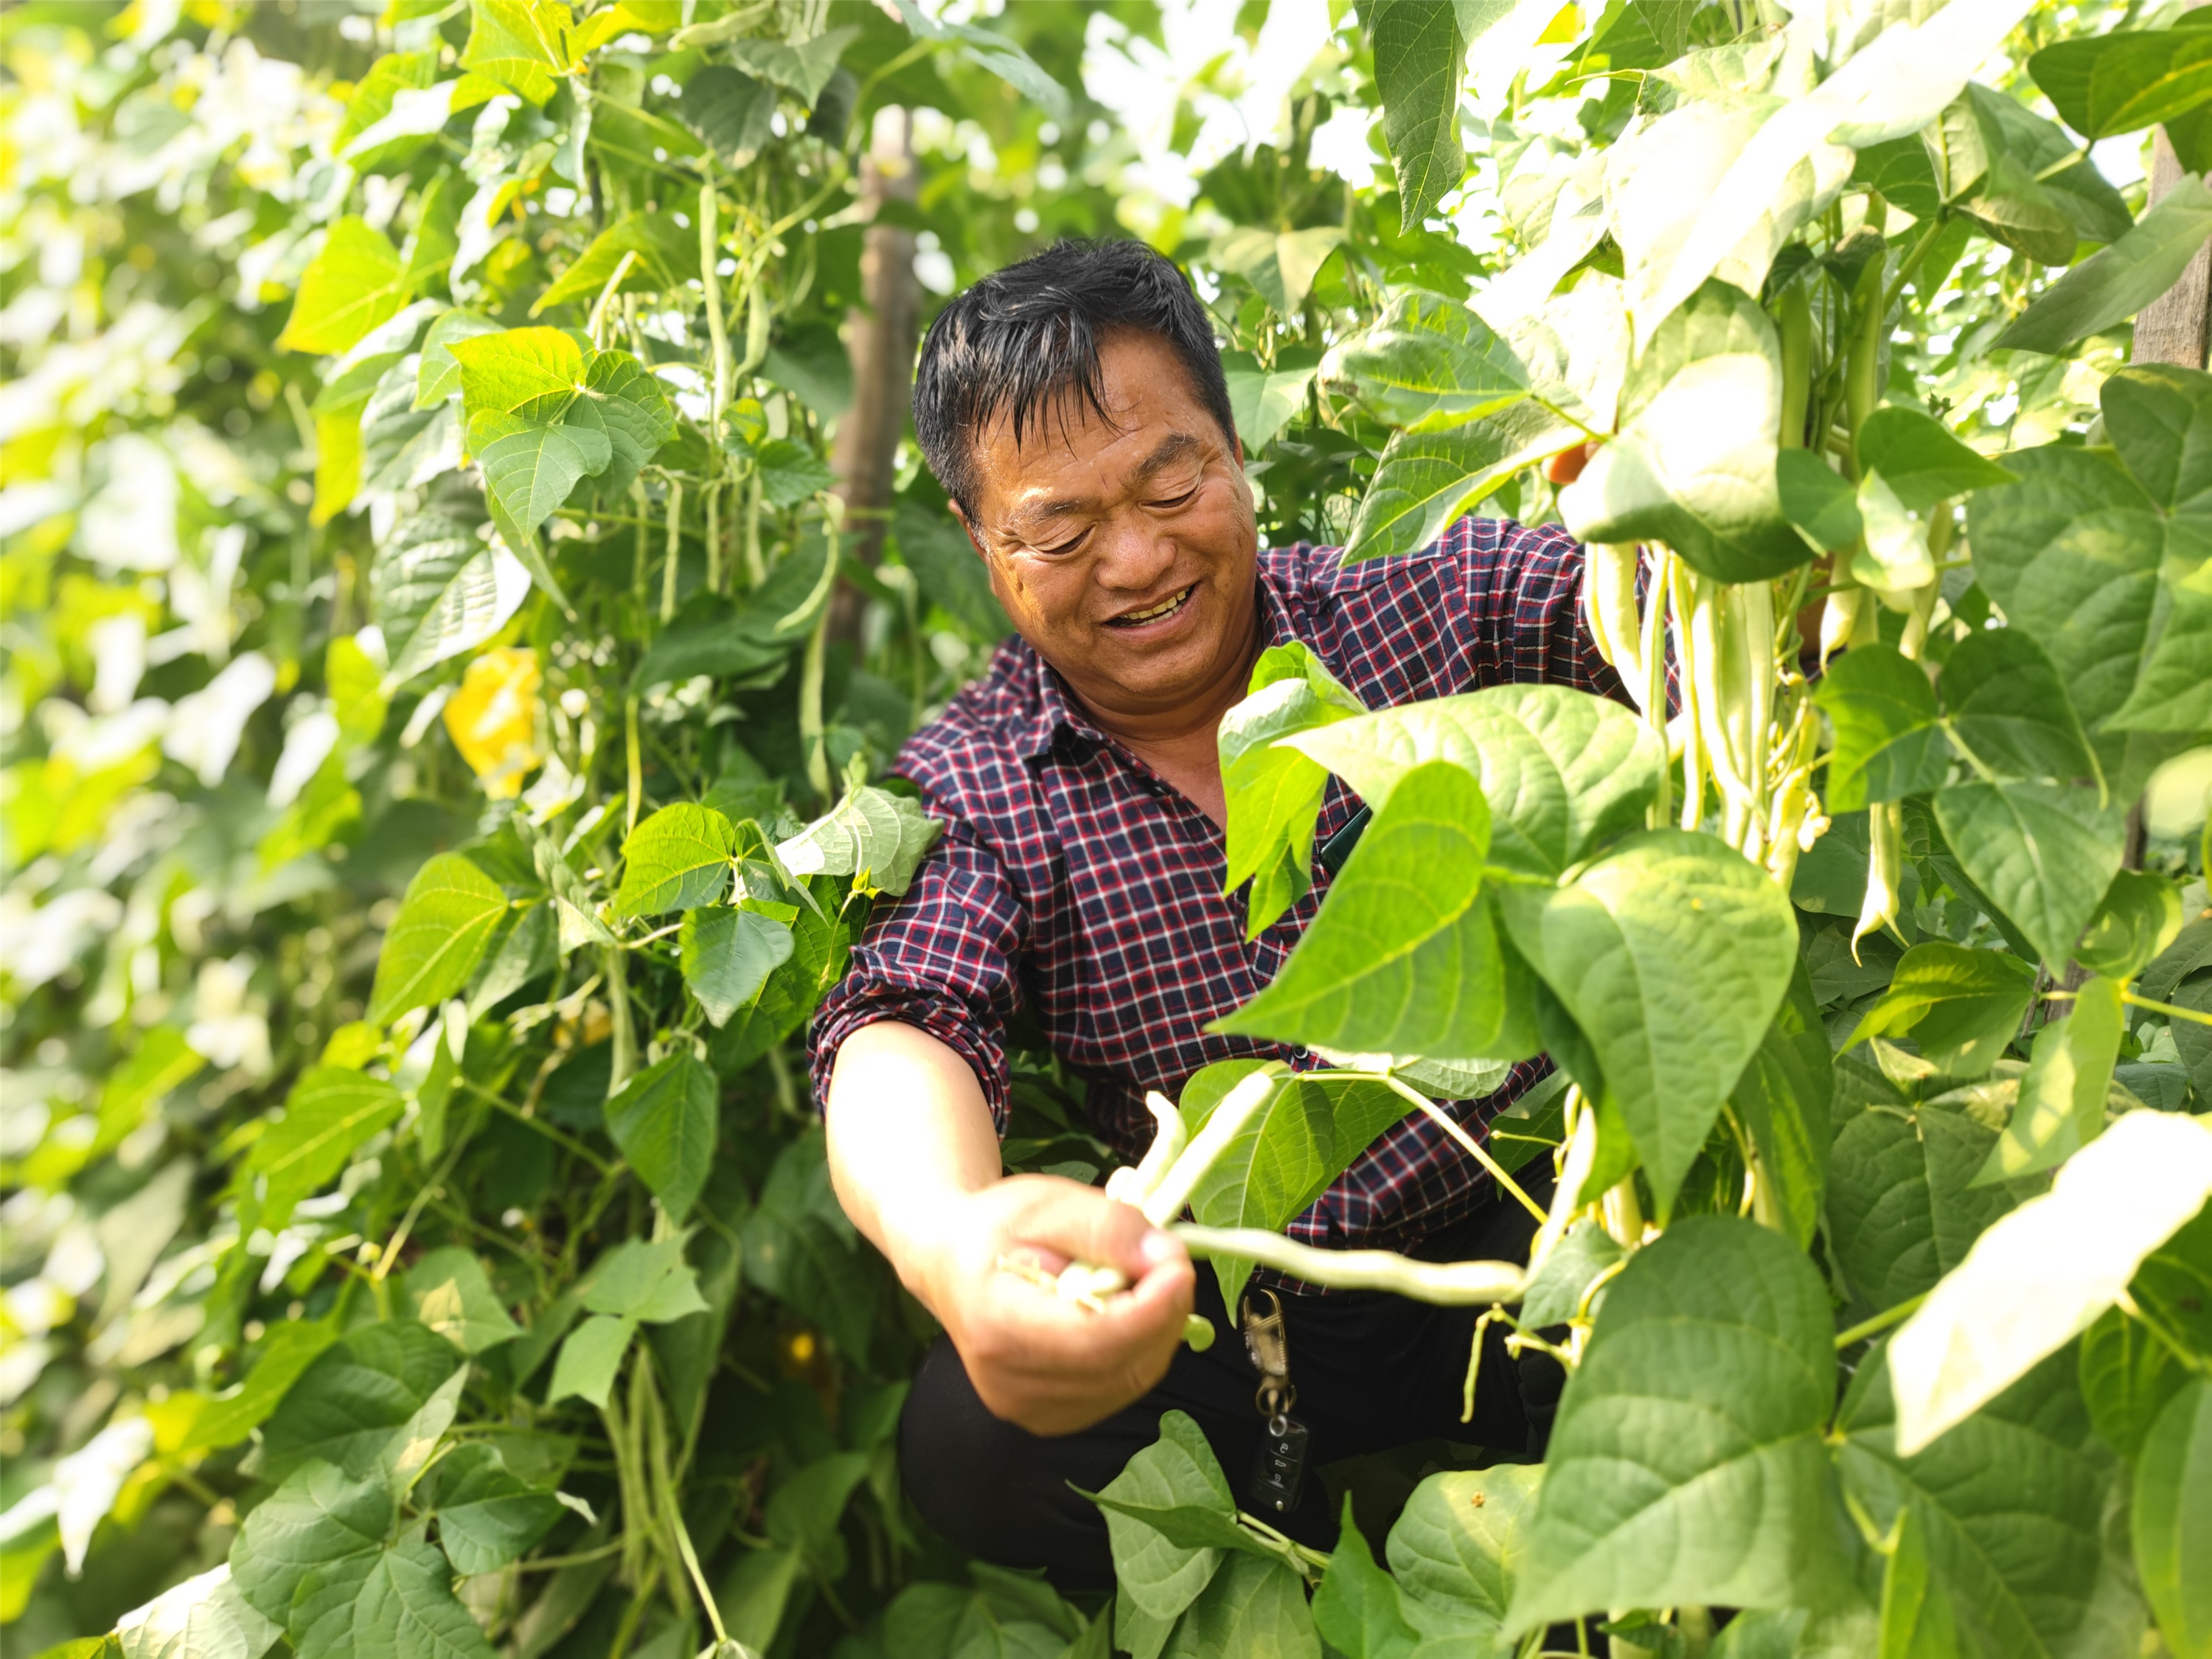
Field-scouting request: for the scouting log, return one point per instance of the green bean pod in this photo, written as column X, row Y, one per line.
column 1446, row 1284
column 1795, row 327
column 1863, row 361
column 1885, row 864
column 1609, row 572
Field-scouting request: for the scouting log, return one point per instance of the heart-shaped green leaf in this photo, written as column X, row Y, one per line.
column 1403, row 958
column 1686, row 1464
column 1563, row 771
column 677, row 859
column 663, row 1121
column 446, row 919
column 1671, row 952
column 1694, row 462
column 2043, row 853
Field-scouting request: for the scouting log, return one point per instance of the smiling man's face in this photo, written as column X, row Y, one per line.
column 1125, row 552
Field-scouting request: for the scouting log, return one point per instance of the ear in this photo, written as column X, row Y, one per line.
column 960, row 513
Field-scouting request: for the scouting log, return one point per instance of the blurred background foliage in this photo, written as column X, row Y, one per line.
column 264, row 658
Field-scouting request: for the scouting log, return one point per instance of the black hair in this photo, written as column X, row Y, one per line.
column 1027, row 336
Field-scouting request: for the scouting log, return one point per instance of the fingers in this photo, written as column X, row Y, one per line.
column 1052, row 1366
column 1081, row 1224
column 1059, row 1369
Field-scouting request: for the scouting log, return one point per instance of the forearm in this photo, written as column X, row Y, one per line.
column 909, row 1133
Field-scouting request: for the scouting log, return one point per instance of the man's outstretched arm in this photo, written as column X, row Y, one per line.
column 914, row 1158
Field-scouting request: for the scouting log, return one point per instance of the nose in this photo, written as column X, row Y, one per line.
column 1132, row 557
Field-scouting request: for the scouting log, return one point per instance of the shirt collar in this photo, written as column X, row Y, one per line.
column 1059, row 710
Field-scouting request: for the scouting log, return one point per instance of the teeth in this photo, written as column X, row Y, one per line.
column 1160, row 609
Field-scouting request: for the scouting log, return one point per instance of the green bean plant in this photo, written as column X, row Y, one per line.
column 452, row 663
column 1867, row 932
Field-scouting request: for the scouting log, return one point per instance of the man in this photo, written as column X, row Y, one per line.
column 1074, row 408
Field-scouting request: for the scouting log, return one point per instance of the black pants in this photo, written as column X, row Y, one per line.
column 1373, row 1372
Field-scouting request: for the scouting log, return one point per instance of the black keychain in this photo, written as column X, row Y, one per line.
column 1279, row 1472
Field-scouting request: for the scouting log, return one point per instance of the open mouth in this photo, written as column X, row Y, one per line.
column 1160, row 612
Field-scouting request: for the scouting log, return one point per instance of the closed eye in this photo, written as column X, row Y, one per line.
column 1172, row 502
column 1062, row 548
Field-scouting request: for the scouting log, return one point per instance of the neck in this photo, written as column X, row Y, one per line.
column 1193, row 718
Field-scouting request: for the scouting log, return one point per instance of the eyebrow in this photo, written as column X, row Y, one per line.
column 1176, row 447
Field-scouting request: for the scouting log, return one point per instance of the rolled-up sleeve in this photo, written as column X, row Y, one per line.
column 1524, row 586
column 941, row 959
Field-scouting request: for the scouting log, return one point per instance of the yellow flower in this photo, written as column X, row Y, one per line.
column 493, row 718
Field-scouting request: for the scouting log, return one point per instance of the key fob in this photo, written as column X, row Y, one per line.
column 1279, row 1473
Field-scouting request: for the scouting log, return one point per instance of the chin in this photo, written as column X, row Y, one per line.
column 1175, row 669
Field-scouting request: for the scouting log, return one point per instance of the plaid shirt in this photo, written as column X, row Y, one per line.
column 1071, row 881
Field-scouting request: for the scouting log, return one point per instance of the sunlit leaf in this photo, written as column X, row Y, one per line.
column 1428, row 363
column 1404, row 956
column 2127, row 80
column 1355, row 1610
column 202, row 1618
column 453, row 1296
column 677, row 859
column 2172, row 1518
column 1428, row 479
column 2040, row 1275
column 316, row 1516
column 1419, row 58
column 1459, row 1547
column 2062, row 1098
column 1920, row 459
column 329, row 1113
column 1177, row 1471
column 2115, row 282
column 2008, row 706
column 446, row 919
column 1902, row 1210
column 1960, row 1007
column 486, row 1515
column 1273, row 792
column 2044, row 852
column 591, row 1356
column 1889, row 736
column 354, row 284
column 1694, row 462
column 2009, row 1504
column 397, row 1604
column 870, row 832
column 1563, row 771
column 355, row 1406
column 625, row 402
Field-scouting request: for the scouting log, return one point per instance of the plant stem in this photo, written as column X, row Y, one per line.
column 1913, row 262
column 2170, row 1010
column 567, row 1143
column 422, row 1196
column 1474, row 1148
column 1881, row 1322
column 710, row 241
column 1292, row 1551
column 554, row 1563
